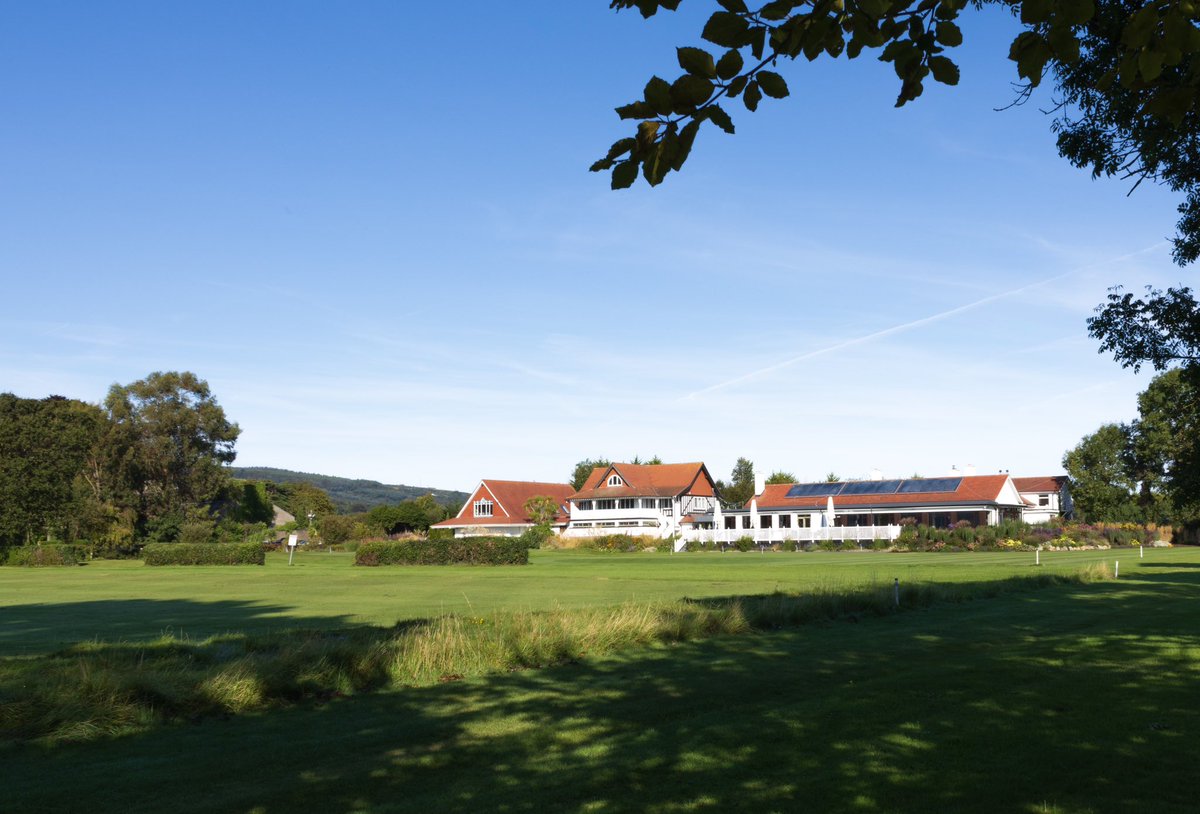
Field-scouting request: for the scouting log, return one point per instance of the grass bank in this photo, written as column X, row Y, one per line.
column 100, row 689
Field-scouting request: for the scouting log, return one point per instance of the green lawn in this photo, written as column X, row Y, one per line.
column 44, row 609
column 1072, row 699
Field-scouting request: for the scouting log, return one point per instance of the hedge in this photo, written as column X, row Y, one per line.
column 38, row 556
column 204, row 554
column 459, row 550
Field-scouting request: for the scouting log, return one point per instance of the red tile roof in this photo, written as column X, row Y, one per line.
column 971, row 489
column 1047, row 483
column 509, row 498
column 648, row 480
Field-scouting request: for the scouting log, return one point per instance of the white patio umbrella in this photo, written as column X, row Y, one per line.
column 753, row 513
column 829, row 513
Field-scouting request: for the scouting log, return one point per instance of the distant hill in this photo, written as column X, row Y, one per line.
column 348, row 494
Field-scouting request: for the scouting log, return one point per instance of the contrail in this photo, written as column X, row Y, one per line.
column 906, row 326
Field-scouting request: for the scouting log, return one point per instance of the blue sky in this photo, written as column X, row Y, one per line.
column 370, row 227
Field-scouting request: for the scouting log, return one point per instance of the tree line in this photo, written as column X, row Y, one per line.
column 150, row 463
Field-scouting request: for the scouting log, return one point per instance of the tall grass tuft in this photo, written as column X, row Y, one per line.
column 95, row 689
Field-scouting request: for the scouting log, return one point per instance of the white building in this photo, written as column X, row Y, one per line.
column 651, row 499
column 1045, row 498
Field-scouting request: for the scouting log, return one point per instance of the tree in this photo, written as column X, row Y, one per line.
column 44, row 445
column 1101, row 486
column 832, row 477
column 779, row 476
column 741, row 483
column 1162, row 455
column 1122, row 70
column 335, row 529
column 300, row 499
column 166, row 448
column 542, row 510
column 1161, row 330
column 583, row 471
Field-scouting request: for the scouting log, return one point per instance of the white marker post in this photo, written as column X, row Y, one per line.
column 1037, row 556
column 1116, row 569
column 291, row 547
column 1141, row 552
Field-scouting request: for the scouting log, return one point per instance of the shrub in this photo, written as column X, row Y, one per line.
column 204, row 554
column 619, row 542
column 196, row 532
column 744, row 543
column 443, row 551
column 39, row 556
column 536, row 536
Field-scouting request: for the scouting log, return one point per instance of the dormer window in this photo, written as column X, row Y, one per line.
column 615, row 480
column 483, row 508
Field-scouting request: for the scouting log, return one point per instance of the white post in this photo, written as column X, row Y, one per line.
column 1116, row 569
column 1141, row 552
column 1037, row 556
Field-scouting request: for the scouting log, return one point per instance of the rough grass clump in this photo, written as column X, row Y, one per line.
column 204, row 554
column 444, row 551
column 39, row 556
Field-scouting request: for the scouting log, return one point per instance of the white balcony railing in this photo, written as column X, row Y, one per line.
column 777, row 535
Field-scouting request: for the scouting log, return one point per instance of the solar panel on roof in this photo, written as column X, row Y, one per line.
column 872, row 487
column 929, row 485
column 815, row 489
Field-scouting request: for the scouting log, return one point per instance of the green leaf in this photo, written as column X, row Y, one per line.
column 944, row 70
column 624, row 174
column 696, row 61
column 720, row 118
column 752, row 96
column 949, row 34
column 734, row 6
column 645, row 135
column 730, row 64
column 1150, row 64
column 690, row 91
column 1140, row 28
column 736, row 87
column 1036, row 11
column 687, row 136
column 772, row 84
column 635, row 110
column 776, row 10
column 658, row 96
column 1075, row 12
column 725, row 29
column 618, row 149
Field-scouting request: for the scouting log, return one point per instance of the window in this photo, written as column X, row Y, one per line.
column 483, row 508
column 746, row 522
column 803, row 521
column 731, row 522
column 649, row 503
column 1043, row 500
column 764, row 521
column 615, row 480
column 627, row 503
column 664, row 503
column 785, row 521
column 606, row 504
column 583, row 505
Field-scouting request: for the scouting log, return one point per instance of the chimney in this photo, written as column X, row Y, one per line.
column 760, row 483
column 969, row 469
column 876, row 474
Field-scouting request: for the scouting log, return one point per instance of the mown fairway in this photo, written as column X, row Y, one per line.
column 44, row 609
column 1070, row 699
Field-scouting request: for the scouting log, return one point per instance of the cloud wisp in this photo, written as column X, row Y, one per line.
column 905, row 326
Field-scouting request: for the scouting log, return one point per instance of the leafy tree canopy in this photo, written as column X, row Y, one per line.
column 1126, row 77
column 740, row 487
column 779, row 476
column 541, row 510
column 583, row 469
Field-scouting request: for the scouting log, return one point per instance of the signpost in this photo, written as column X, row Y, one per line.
column 291, row 547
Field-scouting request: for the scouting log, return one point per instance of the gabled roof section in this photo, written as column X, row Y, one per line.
column 648, row 480
column 992, row 489
column 510, row 497
column 1045, row 483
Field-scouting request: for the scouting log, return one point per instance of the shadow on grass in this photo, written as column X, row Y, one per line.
column 1075, row 699
column 34, row 629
